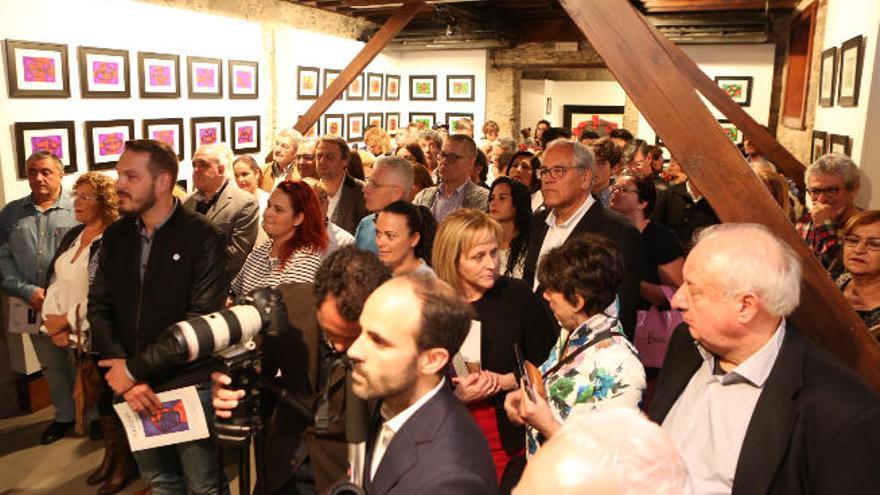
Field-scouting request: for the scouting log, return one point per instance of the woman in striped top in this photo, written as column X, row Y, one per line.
column 297, row 237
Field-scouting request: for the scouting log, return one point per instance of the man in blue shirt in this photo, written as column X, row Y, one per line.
column 30, row 230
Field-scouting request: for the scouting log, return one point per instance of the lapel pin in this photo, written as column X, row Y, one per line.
column 176, row 257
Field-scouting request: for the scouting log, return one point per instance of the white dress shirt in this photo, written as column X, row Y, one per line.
column 557, row 233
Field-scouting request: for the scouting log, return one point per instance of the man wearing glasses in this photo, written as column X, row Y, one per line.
column 833, row 184
column 305, row 160
column 566, row 176
column 456, row 164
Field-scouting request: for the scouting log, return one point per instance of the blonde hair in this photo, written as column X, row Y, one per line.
column 455, row 236
column 378, row 137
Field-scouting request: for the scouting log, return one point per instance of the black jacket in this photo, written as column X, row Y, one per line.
column 185, row 277
column 677, row 210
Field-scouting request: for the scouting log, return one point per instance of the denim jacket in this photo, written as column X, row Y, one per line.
column 28, row 241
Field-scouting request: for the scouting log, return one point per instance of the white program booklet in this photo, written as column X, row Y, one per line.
column 180, row 419
column 23, row 318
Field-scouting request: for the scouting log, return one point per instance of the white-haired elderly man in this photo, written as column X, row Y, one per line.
column 753, row 406
column 234, row 211
column 391, row 180
column 284, row 149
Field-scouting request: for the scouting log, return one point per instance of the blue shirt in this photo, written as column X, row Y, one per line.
column 365, row 235
column 28, row 241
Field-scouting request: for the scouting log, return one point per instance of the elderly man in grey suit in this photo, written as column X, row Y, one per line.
column 232, row 210
column 456, row 190
column 346, row 194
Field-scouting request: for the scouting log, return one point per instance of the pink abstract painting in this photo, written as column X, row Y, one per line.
column 38, row 69
column 111, row 143
column 207, row 136
column 165, row 135
column 160, row 75
column 52, row 144
column 105, row 72
column 245, row 134
column 243, row 79
column 205, row 78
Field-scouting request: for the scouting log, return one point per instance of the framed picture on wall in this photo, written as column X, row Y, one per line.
column 355, row 127
column 37, row 70
column 244, row 80
column 735, row 135
column 375, row 86
column 828, row 77
column 313, row 131
column 851, row 54
column 334, row 124
column 330, row 75
column 424, row 120
column 817, row 148
column 392, row 87
column 392, row 122
column 355, row 89
column 598, row 118
column 460, row 88
column 56, row 137
column 307, row 82
column 454, row 119
column 423, row 88
column 738, row 88
column 375, row 120
column 169, row 131
column 104, row 73
column 205, row 77
column 838, row 143
column 105, row 141
column 245, row 134
column 206, row 130
column 159, row 75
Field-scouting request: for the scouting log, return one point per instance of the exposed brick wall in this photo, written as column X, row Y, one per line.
column 503, row 99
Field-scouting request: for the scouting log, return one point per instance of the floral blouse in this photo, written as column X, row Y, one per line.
column 607, row 374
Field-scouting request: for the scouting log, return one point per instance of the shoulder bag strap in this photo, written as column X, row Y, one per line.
column 604, row 335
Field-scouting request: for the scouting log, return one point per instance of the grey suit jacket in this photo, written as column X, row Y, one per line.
column 475, row 197
column 237, row 214
column 351, row 207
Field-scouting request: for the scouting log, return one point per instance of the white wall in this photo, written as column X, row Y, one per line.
column 582, row 93
column 532, row 102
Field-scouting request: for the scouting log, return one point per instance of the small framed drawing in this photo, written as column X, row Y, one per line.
column 839, row 143
column 104, row 73
column 423, row 88
column 330, row 75
column 205, row 77
column 355, row 90
column 731, row 130
column 828, row 77
column 307, row 79
column 105, row 141
column 244, row 79
column 245, row 134
column 738, row 88
column 159, row 75
column 460, row 88
column 392, row 87
column 454, row 119
column 424, row 120
column 375, row 120
column 817, row 148
column 375, row 83
column 313, row 131
column 392, row 122
column 851, row 54
column 56, row 137
column 206, row 130
column 334, row 124
column 169, row 131
column 355, row 127
column 37, row 70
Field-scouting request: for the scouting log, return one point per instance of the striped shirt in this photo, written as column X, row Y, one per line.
column 261, row 270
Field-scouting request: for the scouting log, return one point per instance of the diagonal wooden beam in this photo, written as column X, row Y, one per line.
column 373, row 47
column 666, row 97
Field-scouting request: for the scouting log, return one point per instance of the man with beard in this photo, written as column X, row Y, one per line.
column 161, row 263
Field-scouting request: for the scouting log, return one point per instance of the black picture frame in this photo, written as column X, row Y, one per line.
column 102, row 154
column 569, row 111
column 818, row 145
column 840, row 140
column 743, row 100
column 421, row 95
column 328, row 80
column 23, row 149
column 452, row 95
column 827, row 77
column 415, row 117
column 147, row 86
column 303, row 90
column 379, row 79
column 243, row 68
column 147, row 132
column 372, row 116
column 392, row 87
column 354, row 132
column 37, row 65
column 234, row 141
column 452, row 119
column 192, row 79
column 357, row 82
column 849, row 96
column 196, row 124
column 334, row 118
column 87, row 73
column 392, row 117
column 730, row 128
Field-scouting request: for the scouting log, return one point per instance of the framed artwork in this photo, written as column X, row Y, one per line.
column 307, row 79
column 334, row 124
column 375, row 120
column 828, row 77
column 392, row 87
column 460, row 88
column 244, row 78
column 738, row 88
column 424, row 120
column 56, row 137
column 206, row 130
column 245, row 134
column 735, row 135
column 453, row 119
column 598, row 118
column 817, row 148
column 355, row 90
column 159, row 75
column 330, row 75
column 37, row 70
column 313, row 131
column 392, row 122
column 355, row 127
column 205, row 77
column 375, row 86
column 105, row 141
column 169, row 131
column 423, row 88
column 851, row 55
column 838, row 143
column 104, row 73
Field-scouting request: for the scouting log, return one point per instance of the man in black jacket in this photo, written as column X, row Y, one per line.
column 161, row 263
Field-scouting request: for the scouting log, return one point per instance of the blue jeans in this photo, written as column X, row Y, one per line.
column 59, row 369
column 194, row 465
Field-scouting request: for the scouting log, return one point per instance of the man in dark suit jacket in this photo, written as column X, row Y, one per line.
column 753, row 406
column 424, row 441
column 567, row 176
column 682, row 208
column 346, row 193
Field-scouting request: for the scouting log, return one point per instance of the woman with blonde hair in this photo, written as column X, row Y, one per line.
column 378, row 141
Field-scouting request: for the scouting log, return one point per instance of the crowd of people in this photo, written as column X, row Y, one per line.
column 497, row 304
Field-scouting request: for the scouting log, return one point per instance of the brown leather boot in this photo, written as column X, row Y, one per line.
column 100, row 475
column 124, row 469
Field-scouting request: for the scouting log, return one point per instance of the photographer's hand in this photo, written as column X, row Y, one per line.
column 142, row 399
column 224, row 400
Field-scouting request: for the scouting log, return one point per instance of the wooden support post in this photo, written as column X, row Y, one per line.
column 373, row 47
column 666, row 97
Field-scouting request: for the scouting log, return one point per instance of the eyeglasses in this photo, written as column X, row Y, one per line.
column 375, row 185
column 83, row 197
column 828, row 191
column 449, row 157
column 853, row 241
column 554, row 172
column 621, row 189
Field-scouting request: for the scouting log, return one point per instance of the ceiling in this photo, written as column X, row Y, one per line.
column 450, row 24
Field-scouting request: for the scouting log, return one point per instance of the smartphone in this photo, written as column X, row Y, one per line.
column 520, row 372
